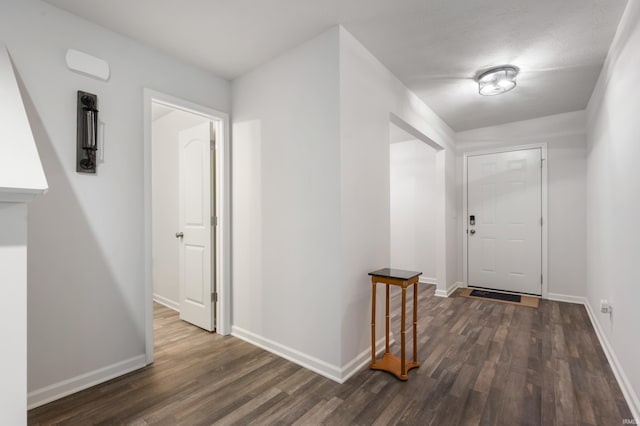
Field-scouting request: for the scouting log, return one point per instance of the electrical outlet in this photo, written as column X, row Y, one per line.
column 605, row 307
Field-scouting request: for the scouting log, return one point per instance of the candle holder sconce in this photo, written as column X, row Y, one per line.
column 87, row 134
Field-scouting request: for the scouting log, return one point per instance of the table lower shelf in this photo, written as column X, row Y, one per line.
column 391, row 364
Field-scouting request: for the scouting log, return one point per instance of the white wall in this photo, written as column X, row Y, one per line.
column 13, row 313
column 164, row 157
column 311, row 198
column 566, row 163
column 613, row 203
column 369, row 95
column 86, row 278
column 286, row 204
column 21, row 179
column 413, row 207
column 20, row 166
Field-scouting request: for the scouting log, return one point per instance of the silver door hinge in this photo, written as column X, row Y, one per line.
column 213, row 144
column 541, row 222
column 541, row 278
column 214, row 297
column 542, row 162
column 214, row 221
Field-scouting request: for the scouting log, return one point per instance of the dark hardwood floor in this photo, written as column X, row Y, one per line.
column 482, row 362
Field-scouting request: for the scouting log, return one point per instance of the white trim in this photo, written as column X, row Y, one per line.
column 363, row 359
column 316, row 365
column 623, row 381
column 544, row 207
column 332, row 372
column 428, row 280
column 166, row 302
column 75, row 384
column 566, row 298
column 223, row 209
column 447, row 293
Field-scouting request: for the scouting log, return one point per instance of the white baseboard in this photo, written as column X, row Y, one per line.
column 625, row 386
column 166, row 302
column 75, row 384
column 332, row 372
column 449, row 291
column 362, row 360
column 316, row 365
column 567, row 298
column 427, row 280
column 623, row 381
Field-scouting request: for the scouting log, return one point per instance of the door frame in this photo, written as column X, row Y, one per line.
column 544, row 204
column 222, row 210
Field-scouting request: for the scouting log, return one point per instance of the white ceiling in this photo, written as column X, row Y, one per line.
column 435, row 47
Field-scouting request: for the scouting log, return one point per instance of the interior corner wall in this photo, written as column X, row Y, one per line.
column 165, row 204
column 566, row 165
column 86, row 284
column 286, row 205
column 613, row 203
column 369, row 94
column 413, row 208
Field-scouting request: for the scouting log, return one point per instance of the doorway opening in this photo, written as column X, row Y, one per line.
column 433, row 156
column 505, row 219
column 186, row 213
column 182, row 201
column 413, row 206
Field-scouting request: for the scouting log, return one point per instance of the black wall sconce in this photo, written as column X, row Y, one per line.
column 87, row 135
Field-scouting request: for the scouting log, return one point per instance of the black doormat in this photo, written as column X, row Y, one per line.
column 498, row 296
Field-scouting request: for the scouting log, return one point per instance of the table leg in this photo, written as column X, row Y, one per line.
column 403, row 332
column 373, row 322
column 415, row 321
column 386, row 347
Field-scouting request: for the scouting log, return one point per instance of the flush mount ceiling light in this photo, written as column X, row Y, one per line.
column 498, row 80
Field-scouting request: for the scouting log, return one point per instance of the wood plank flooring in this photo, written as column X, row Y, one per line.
column 482, row 362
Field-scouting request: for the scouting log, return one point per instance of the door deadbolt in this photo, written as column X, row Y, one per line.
column 179, row 234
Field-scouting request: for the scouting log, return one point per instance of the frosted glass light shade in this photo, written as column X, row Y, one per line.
column 497, row 80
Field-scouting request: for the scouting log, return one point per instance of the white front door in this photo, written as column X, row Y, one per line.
column 504, row 221
column 195, row 233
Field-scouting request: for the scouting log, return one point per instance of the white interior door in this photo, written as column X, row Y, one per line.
column 195, row 233
column 504, row 222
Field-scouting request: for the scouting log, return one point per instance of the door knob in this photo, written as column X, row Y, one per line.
column 179, row 234
column 472, row 231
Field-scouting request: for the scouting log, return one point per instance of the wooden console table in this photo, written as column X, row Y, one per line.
column 390, row 363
